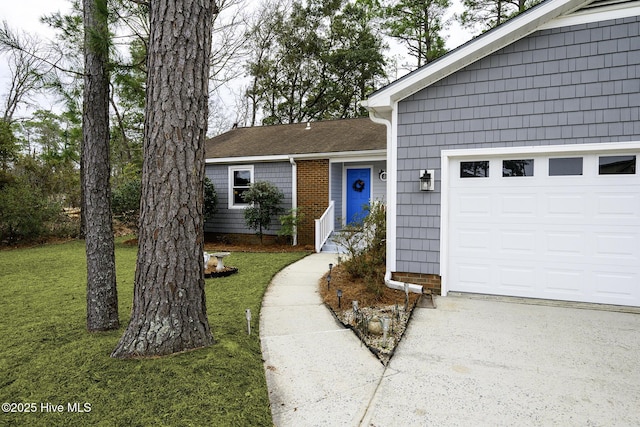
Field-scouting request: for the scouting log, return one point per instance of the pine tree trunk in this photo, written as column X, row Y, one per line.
column 169, row 310
column 102, row 297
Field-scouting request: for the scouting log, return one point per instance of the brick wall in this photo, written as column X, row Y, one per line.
column 430, row 282
column 313, row 196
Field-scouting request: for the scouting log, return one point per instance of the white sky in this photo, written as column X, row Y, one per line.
column 26, row 14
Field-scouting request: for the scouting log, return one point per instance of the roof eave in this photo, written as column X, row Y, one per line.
column 346, row 155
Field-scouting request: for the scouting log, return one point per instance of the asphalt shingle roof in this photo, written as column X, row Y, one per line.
column 330, row 136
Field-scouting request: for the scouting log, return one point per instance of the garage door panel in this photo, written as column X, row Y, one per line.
column 518, row 241
column 618, row 206
column 564, row 282
column 611, row 286
column 519, row 205
column 473, row 239
column 618, row 245
column 473, row 205
column 517, row 279
column 573, row 238
column 474, row 277
column 565, row 243
column 565, row 205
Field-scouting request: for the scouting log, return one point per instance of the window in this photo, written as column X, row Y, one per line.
column 517, row 167
column 617, row 165
column 240, row 179
column 565, row 166
column 474, row 169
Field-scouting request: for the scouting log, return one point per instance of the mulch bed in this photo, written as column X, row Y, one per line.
column 390, row 304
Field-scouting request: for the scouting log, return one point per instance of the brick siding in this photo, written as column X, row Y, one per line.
column 313, row 196
column 430, row 282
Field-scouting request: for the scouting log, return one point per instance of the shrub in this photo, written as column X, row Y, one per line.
column 25, row 213
column 125, row 201
column 264, row 200
column 365, row 245
column 289, row 223
column 210, row 199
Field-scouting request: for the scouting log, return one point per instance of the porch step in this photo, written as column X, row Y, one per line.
column 332, row 247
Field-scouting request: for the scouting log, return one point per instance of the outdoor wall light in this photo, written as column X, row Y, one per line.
column 427, row 179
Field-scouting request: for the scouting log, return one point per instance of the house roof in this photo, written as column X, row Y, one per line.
column 322, row 137
column 548, row 14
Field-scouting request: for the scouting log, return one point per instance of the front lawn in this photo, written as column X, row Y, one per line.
column 62, row 375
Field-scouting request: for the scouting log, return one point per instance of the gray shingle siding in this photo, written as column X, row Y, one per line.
column 571, row 85
column 232, row 220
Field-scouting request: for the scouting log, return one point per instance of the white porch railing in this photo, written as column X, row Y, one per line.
column 324, row 226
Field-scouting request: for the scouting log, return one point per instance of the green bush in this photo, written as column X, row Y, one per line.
column 365, row 245
column 210, row 200
column 289, row 223
column 25, row 213
column 264, row 200
column 125, row 201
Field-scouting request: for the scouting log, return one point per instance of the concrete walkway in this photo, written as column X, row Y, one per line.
column 472, row 361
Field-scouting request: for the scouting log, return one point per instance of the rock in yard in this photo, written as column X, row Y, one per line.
column 375, row 326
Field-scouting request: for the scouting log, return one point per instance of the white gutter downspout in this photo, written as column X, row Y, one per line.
column 393, row 284
column 294, row 197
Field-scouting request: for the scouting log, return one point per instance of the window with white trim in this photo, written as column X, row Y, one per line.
column 240, row 179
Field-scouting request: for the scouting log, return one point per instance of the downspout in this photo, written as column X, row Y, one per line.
column 294, row 197
column 393, row 284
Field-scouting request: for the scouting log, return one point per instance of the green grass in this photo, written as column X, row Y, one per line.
column 46, row 355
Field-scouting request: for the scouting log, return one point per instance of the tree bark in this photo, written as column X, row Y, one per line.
column 169, row 308
column 102, row 296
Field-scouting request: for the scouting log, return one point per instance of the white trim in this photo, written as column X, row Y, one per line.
column 392, row 179
column 597, row 14
column 392, row 185
column 354, row 159
column 230, row 170
column 294, row 196
column 543, row 149
column 444, row 221
column 448, row 155
column 248, row 159
column 332, row 156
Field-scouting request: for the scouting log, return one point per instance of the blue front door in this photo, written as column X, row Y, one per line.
column 358, row 194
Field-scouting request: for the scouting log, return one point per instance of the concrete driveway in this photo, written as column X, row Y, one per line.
column 473, row 361
column 484, row 361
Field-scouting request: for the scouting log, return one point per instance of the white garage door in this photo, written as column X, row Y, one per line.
column 561, row 226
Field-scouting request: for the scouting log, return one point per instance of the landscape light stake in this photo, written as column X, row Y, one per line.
column 385, row 330
column 406, row 298
column 247, row 313
column 339, row 296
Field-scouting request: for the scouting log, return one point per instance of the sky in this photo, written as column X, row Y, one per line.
column 25, row 15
